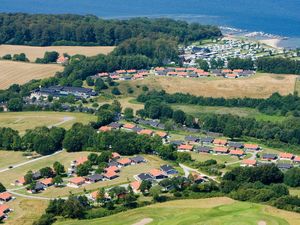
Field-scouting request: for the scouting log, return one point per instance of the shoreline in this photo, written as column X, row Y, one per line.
column 273, row 42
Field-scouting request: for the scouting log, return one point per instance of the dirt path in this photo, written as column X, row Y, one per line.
column 144, row 221
column 65, row 119
column 261, row 222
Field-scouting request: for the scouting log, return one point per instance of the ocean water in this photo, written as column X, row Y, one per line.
column 278, row 17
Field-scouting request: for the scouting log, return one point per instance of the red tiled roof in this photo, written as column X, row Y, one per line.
column 121, row 71
column 226, row 71
column 220, row 142
column 146, row 131
column 220, row 149
column 131, row 71
column 103, row 74
column 21, row 180
column 47, row 181
column 128, row 126
column 112, row 168
column 124, row 161
column 171, row 73
column 251, row 146
column 135, row 185
column 231, row 75
column 161, row 134
column 105, row 128
column 114, row 77
column 156, row 172
column 94, row 194
column 62, row 59
column 286, row 155
column 297, row 159
column 238, row 70
column 159, row 69
column 236, row 152
column 250, row 162
column 180, row 69
column 186, row 147
column 5, row 195
column 77, row 180
column 110, row 174
column 115, row 155
column 3, row 208
column 81, row 160
column 183, row 74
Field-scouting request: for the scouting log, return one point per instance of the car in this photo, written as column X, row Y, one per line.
column 10, row 167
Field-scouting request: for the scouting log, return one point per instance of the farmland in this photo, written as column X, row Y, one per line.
column 20, row 73
column 257, row 86
column 204, row 211
column 38, row 52
column 22, row 121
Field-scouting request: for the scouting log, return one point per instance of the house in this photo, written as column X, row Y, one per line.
column 94, row 178
column 192, row 139
column 37, row 188
column 220, row 142
column 94, row 195
column 137, row 129
column 115, row 125
column 110, row 175
column 4, row 209
column 249, row 162
column 197, row 178
column 36, row 175
column 235, row 145
column 220, row 150
column 112, row 163
column 161, row 134
column 237, row 152
column 206, row 140
column 81, row 160
column 21, row 181
column 47, row 182
column 112, row 168
column 137, row 160
column 157, row 174
column 135, row 185
column 269, row 157
column 105, row 129
column 176, row 143
column 286, row 156
column 232, row 75
column 146, row 132
column 62, row 60
column 115, row 155
column 5, row 197
column 76, row 182
column 185, row 148
column 169, row 170
column 203, row 149
column 297, row 159
column 143, row 176
column 128, row 126
column 251, row 147
column 284, row 166
column 124, row 162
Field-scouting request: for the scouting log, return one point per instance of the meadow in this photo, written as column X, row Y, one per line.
column 22, row 121
column 213, row 211
column 20, row 72
column 38, row 52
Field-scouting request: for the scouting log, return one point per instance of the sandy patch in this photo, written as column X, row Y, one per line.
column 261, row 222
column 144, row 221
column 274, row 42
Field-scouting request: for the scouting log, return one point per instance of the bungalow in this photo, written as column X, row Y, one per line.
column 76, row 182
column 157, row 174
column 115, row 77
column 36, row 175
column 37, row 188
column 132, row 71
column 105, row 129
column 203, row 149
column 143, row 176
column 5, row 197
column 182, row 74
column 237, row 152
column 220, row 142
column 172, row 74
column 286, row 156
column 128, row 126
column 249, row 162
column 137, row 160
column 110, row 175
column 231, row 75
column 269, row 157
column 206, row 140
column 112, row 163
column 4, row 209
column 94, row 178
column 176, row 142
column 115, row 155
column 185, row 148
column 297, row 159
column 135, row 185
column 137, row 129
column 146, row 132
column 169, row 170
column 81, row 160
column 21, row 181
column 115, row 125
column 284, row 166
column 94, row 195
column 124, row 162
column 220, row 150
column 121, row 71
column 161, row 134
column 62, row 60
column 235, row 145
column 251, row 147
column 192, row 139
column 47, row 182
column 112, row 168
column 197, row 178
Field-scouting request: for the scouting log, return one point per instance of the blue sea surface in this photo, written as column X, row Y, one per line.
column 279, row 17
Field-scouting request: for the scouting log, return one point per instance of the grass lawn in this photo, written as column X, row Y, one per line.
column 201, row 157
column 197, row 111
column 203, row 211
column 295, row 191
column 8, row 158
column 22, row 121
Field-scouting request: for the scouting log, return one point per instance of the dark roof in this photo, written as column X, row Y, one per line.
column 112, row 163
column 207, row 139
column 203, row 149
column 192, row 138
column 153, row 123
column 161, row 126
column 269, row 156
column 137, row 159
column 115, row 125
column 284, row 166
column 137, row 129
column 167, row 168
column 36, row 175
column 144, row 176
column 95, row 177
column 39, row 186
column 235, row 144
column 193, row 130
column 178, row 142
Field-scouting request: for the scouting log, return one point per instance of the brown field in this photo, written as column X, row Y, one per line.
column 38, row 52
column 258, row 86
column 20, row 73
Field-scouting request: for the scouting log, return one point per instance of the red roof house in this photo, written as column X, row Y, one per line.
column 249, row 162
column 135, row 185
column 110, row 175
column 251, row 146
column 237, row 152
column 5, row 196
column 220, row 142
column 47, row 182
column 223, row 150
column 146, row 131
column 124, row 162
column 185, row 147
column 285, row 155
column 76, row 181
column 115, row 155
column 157, row 174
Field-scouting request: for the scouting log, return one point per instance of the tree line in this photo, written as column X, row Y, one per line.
column 45, row 30
column 276, row 104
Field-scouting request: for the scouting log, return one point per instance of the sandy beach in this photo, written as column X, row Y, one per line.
column 274, row 42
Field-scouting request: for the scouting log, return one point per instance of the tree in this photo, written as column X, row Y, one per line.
column 50, row 57
column 15, row 104
column 232, row 131
column 2, row 188
column 73, row 208
column 7, row 57
column 101, row 198
column 84, row 169
column 90, row 81
column 57, row 180
column 115, row 91
column 45, row 219
column 46, row 172
column 100, row 85
column 28, row 177
column 292, row 177
column 184, row 157
column 58, row 168
column 202, row 64
column 128, row 113
column 179, row 116
column 92, row 157
column 145, row 186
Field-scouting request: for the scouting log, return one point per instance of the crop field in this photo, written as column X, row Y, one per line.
column 213, row 211
column 38, row 52
column 22, row 121
column 258, row 86
column 20, row 73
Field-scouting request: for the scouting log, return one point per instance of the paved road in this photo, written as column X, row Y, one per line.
column 187, row 171
column 32, row 196
column 253, row 156
column 28, row 162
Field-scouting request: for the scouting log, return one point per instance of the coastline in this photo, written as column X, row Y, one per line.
column 273, row 42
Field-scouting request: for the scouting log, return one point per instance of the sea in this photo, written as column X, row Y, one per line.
column 264, row 18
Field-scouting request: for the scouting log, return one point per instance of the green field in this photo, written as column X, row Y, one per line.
column 22, row 121
column 213, row 211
